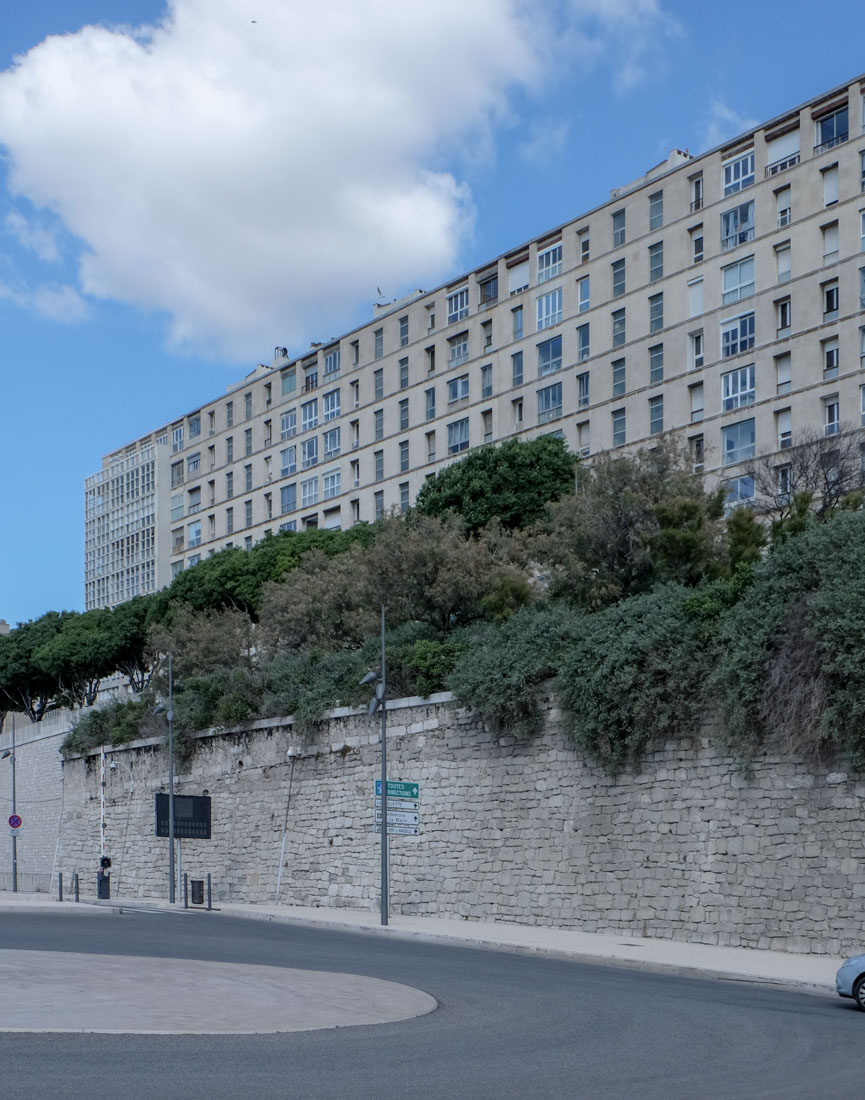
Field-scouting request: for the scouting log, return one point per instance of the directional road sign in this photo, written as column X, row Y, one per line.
column 15, row 822
column 397, row 789
column 398, row 817
column 399, row 804
column 400, row 830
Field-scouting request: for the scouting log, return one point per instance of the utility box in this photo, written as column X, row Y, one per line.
column 103, row 886
column 196, row 886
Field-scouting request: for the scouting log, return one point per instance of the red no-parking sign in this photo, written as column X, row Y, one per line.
column 14, row 822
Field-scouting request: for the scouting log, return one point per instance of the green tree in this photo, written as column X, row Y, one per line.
column 26, row 684
column 78, row 656
column 511, row 483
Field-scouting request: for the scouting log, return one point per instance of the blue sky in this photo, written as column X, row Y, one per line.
column 176, row 201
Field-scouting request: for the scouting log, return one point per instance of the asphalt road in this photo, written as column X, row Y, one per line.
column 506, row 1026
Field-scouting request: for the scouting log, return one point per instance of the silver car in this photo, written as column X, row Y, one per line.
column 850, row 980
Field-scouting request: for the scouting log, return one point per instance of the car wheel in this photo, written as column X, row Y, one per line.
column 859, row 993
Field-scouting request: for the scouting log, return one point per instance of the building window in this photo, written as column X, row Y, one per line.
column 832, row 130
column 697, row 402
column 583, row 390
column 176, row 507
column 331, row 443
column 698, row 452
column 517, row 411
column 378, row 424
column 268, row 433
column 830, row 242
column 582, row 343
column 618, row 418
column 656, row 210
column 229, row 414
column 247, row 478
column 830, row 301
column 403, row 331
column 403, row 374
column 697, row 244
column 310, row 375
column 378, row 464
column 378, row 343
column 656, row 364
column 378, row 501
column 430, row 403
column 695, row 297
column 487, row 333
column 247, row 513
column 656, row 312
column 618, row 229
column 487, row 380
column 830, row 185
column 331, row 484
column 458, row 350
column 783, row 373
column 403, row 414
column 518, row 274
column 517, row 368
column 738, row 172
column 229, row 448
column 403, row 497
column 430, row 360
column 618, row 278
column 697, row 193
column 656, row 261
column 330, row 403
column 738, row 280
column 585, row 249
column 431, row 317
column 550, row 356
column 584, row 447
column 289, row 381
column 378, row 384
column 737, row 388
column 783, row 317
column 287, row 498
column 403, row 456
column 355, row 473
column 489, row 290
column 458, row 305
column 331, row 362
column 458, row 436
column 831, row 415
column 229, row 485
column 550, row 403
column 618, row 319
column 737, row 226
column 355, row 395
column 288, row 461
column 549, row 263
column 487, row 422
column 740, row 491
column 784, row 206
column 550, row 309
column 309, row 492
column 862, row 288
column 355, row 434
column 583, row 294
column 517, row 315
column 656, row 415
column 177, row 439
column 737, row 335
column 618, row 366
column 309, row 452
column 229, row 520
column 830, row 358
column 176, row 474
column 458, row 389
column 737, row 442
column 430, row 446
column 784, row 427
column 288, row 424
column 247, row 441
column 309, row 414
column 247, row 406
column 782, row 256
column 194, row 424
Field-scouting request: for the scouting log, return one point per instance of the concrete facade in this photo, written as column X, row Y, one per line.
column 511, row 830
column 718, row 297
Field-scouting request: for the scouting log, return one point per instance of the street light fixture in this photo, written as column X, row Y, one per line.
column 168, row 711
column 10, row 752
column 379, row 678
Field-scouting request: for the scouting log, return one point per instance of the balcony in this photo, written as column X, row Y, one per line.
column 839, row 139
column 696, row 205
column 790, row 161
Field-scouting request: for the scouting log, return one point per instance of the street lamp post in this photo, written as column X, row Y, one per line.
column 378, row 700
column 169, row 714
column 11, row 753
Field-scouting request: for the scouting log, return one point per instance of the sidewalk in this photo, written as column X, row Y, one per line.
column 809, row 973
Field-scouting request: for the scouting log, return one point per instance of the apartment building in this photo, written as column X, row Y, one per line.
column 720, row 297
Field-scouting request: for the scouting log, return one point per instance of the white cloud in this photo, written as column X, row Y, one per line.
column 722, row 123
column 52, row 301
column 36, row 236
column 546, row 138
column 256, row 180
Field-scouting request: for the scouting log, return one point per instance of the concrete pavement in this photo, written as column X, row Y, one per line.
column 809, row 973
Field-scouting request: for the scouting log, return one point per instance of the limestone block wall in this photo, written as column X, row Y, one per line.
column 519, row 830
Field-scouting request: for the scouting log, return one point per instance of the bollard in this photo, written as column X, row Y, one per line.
column 209, row 906
column 60, row 886
column 185, row 890
column 75, row 885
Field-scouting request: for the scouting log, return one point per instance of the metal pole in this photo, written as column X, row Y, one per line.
column 209, row 906
column 75, row 885
column 14, row 810
column 186, row 891
column 384, row 883
column 171, row 893
column 285, row 828
column 60, row 886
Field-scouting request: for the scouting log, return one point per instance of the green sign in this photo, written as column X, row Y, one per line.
column 398, row 790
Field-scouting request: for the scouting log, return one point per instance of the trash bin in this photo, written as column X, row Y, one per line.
column 197, row 888
column 103, row 886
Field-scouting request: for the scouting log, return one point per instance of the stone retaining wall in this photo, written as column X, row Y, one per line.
column 510, row 829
